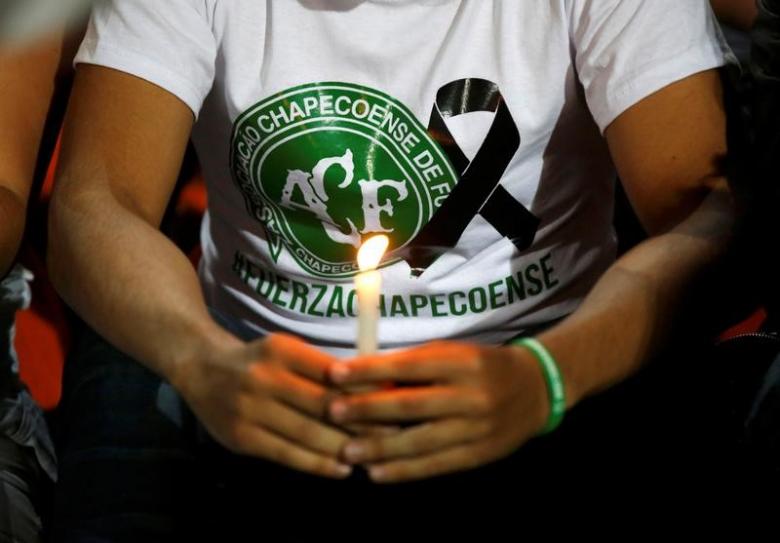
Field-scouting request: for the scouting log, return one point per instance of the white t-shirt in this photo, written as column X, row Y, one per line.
column 468, row 131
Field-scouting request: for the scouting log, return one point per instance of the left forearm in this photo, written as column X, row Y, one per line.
column 736, row 13
column 630, row 313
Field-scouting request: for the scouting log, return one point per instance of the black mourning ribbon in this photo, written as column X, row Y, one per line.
column 478, row 191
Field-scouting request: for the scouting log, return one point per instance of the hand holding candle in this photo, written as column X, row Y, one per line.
column 368, row 284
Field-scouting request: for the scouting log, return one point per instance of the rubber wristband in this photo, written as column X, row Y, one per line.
column 552, row 376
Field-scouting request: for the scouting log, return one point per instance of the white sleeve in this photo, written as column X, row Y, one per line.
column 168, row 43
column 626, row 50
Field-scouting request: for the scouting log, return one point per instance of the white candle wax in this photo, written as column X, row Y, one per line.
column 368, row 284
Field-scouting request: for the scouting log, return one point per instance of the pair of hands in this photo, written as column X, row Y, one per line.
column 460, row 406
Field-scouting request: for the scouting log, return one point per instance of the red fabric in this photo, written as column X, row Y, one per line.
column 48, row 182
column 192, row 198
column 42, row 337
column 42, row 334
column 748, row 326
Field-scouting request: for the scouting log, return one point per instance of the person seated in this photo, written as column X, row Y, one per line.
column 482, row 138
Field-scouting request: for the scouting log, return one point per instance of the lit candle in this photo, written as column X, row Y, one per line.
column 368, row 284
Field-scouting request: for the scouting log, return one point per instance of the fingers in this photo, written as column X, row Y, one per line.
column 292, row 425
column 291, row 371
column 450, row 460
column 372, row 429
column 418, row 440
column 253, row 440
column 432, row 362
column 267, row 400
column 405, row 404
column 298, row 356
column 303, row 394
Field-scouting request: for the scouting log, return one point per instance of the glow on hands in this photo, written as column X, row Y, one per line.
column 470, row 405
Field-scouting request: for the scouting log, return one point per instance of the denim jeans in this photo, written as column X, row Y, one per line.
column 27, row 462
column 136, row 466
column 24, row 493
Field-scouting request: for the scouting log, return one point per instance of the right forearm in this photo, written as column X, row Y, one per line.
column 129, row 282
column 264, row 398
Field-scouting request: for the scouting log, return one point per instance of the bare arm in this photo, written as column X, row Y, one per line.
column 481, row 403
column 667, row 149
column 123, row 143
column 27, row 85
column 740, row 14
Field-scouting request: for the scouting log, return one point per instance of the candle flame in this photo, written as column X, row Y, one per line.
column 371, row 252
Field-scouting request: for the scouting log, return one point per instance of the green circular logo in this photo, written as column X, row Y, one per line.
column 325, row 165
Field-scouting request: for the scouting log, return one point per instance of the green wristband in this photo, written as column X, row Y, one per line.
column 552, row 376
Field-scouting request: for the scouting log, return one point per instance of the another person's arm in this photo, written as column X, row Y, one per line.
column 27, row 85
column 123, row 143
column 484, row 402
